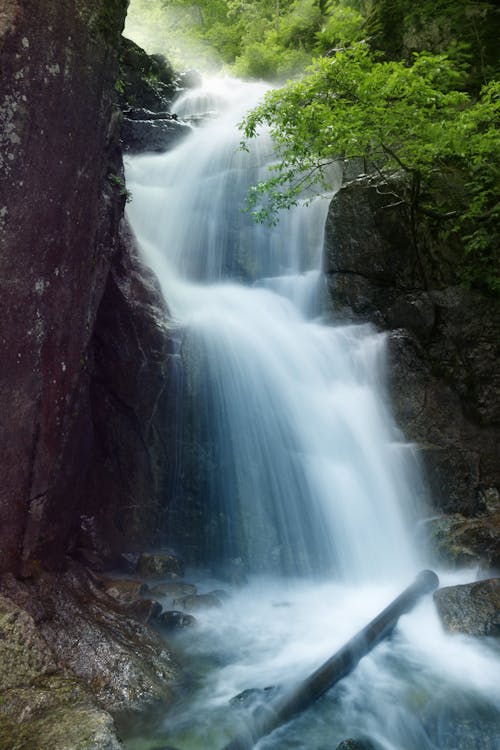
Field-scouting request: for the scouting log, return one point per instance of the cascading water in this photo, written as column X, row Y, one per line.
column 303, row 471
column 309, row 473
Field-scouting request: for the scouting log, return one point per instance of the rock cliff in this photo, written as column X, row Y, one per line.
column 443, row 341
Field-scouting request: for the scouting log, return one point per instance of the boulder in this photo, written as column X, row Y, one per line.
column 42, row 706
column 124, row 663
column 124, row 590
column 147, row 81
column 173, row 590
column 158, row 564
column 456, row 540
column 153, row 134
column 173, row 620
column 351, row 744
column 473, row 609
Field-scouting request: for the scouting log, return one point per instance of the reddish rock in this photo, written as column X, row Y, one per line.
column 59, row 210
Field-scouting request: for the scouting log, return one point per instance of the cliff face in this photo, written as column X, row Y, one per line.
column 61, row 200
column 443, row 340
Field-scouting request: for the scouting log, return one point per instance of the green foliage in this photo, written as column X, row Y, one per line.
column 409, row 120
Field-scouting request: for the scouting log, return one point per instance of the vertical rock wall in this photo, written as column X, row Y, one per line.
column 60, row 204
column 443, row 340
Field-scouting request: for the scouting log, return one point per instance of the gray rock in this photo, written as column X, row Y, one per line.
column 456, row 540
column 443, row 345
column 157, row 564
column 123, row 662
column 152, row 135
column 41, row 706
column 472, row 608
column 173, row 589
column 173, row 620
column 124, row 590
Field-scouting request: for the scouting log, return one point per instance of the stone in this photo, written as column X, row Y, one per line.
column 124, row 590
column 59, row 216
column 58, row 713
column 158, row 564
column 153, row 134
column 351, row 744
column 133, row 366
column 173, row 620
column 173, row 589
column 146, row 81
column 124, row 663
column 24, row 655
column 199, row 602
column 442, row 346
column 473, row 609
column 458, row 541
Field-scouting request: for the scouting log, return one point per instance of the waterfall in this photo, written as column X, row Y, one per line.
column 307, row 472
column 291, row 463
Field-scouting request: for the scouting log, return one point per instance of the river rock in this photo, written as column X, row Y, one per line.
column 42, row 707
column 456, row 540
column 157, row 564
column 198, row 602
column 173, row 589
column 472, row 608
column 123, row 590
column 144, row 610
column 173, row 620
column 123, row 662
column 351, row 744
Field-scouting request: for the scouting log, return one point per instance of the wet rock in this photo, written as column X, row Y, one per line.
column 144, row 610
column 146, row 81
column 157, row 564
column 456, row 540
column 174, row 589
column 42, row 707
column 198, row 602
column 59, row 144
column 124, row 663
column 351, row 744
column 472, row 608
column 221, row 594
column 133, row 366
column 252, row 695
column 56, row 713
column 24, row 653
column 123, row 590
column 153, row 135
column 173, row 620
column 443, row 345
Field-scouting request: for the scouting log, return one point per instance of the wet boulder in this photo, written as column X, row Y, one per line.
column 473, row 608
column 351, row 744
column 174, row 589
column 173, row 620
column 153, row 134
column 124, row 590
column 124, row 663
column 42, row 706
column 456, row 540
column 159, row 564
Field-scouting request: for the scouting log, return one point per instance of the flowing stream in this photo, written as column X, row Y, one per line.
column 307, row 485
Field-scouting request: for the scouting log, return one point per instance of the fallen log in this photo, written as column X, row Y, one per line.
column 335, row 668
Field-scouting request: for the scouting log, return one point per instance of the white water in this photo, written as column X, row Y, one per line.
column 307, row 472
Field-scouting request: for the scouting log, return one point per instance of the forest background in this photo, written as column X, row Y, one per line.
column 411, row 89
